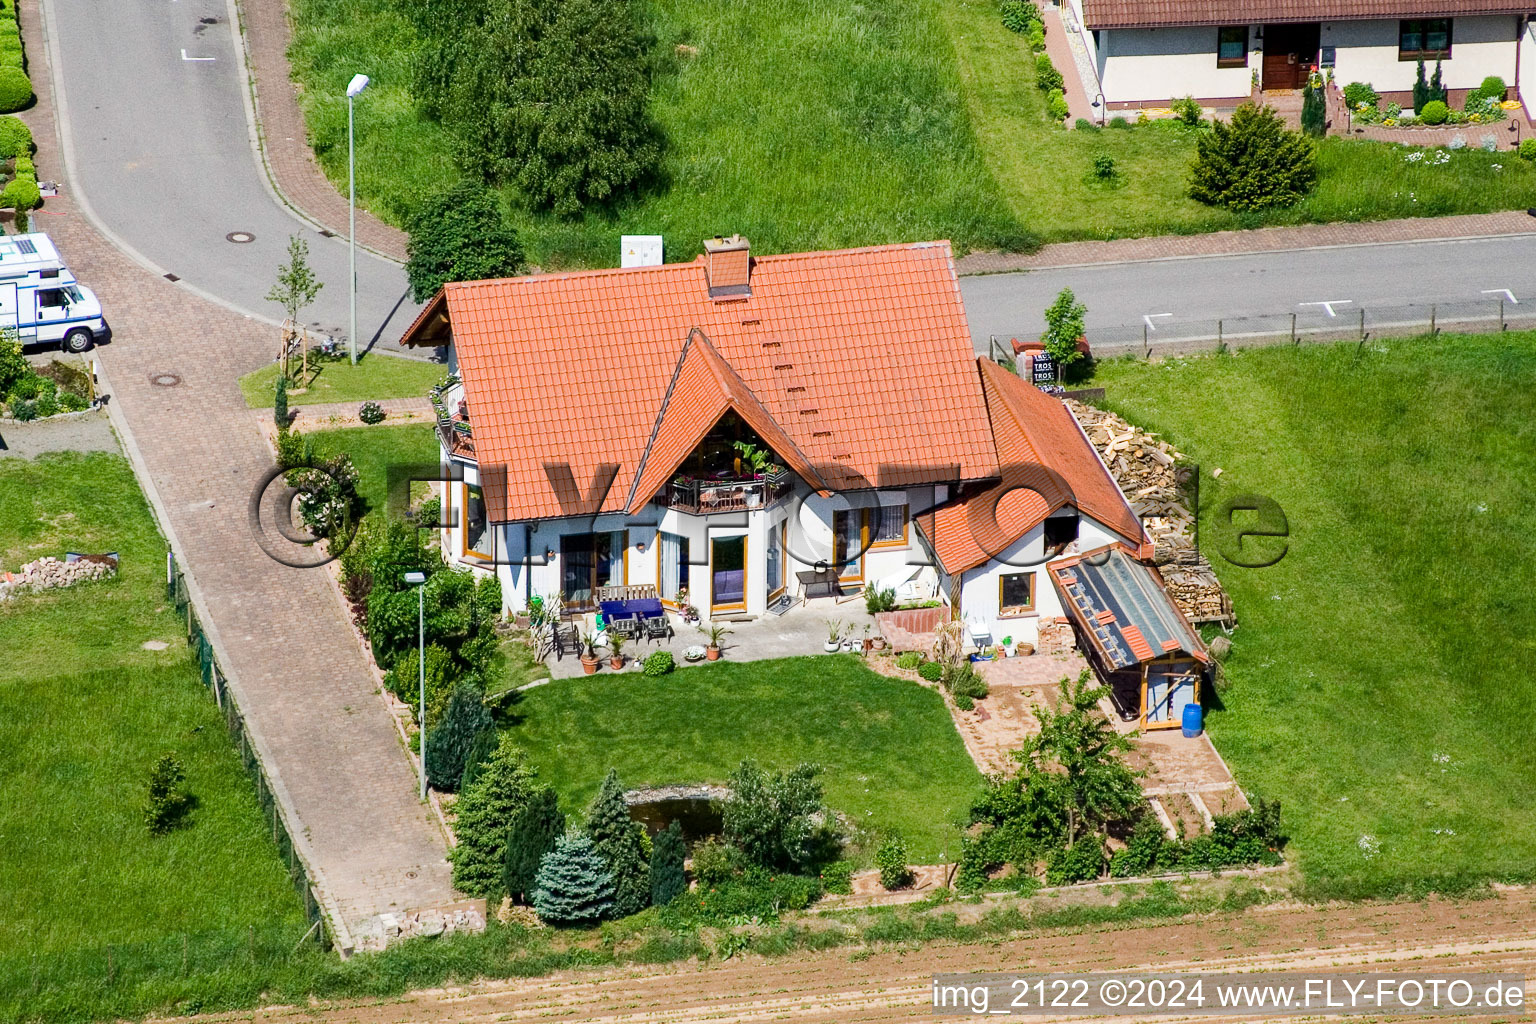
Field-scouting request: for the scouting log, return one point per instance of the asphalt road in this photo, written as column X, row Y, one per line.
column 1183, row 298
column 161, row 150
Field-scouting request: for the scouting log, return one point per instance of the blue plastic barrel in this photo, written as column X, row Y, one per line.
column 1192, row 720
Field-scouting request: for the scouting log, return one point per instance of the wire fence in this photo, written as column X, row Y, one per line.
column 1310, row 322
column 234, row 721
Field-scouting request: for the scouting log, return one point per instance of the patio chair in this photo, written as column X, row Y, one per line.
column 657, row 627
column 565, row 639
column 627, row 626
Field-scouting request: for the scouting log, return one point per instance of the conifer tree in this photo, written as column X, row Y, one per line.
column 573, row 885
column 485, row 808
column 533, row 833
column 620, row 841
column 450, row 740
column 667, row 855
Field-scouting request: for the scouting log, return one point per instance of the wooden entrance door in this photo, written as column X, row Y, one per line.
column 1290, row 54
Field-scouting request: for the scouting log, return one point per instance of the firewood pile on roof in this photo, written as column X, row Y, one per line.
column 1151, row 473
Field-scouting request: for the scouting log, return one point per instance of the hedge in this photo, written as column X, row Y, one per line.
column 15, row 138
column 15, row 89
column 15, row 86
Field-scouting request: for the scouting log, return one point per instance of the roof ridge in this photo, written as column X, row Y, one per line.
column 661, row 412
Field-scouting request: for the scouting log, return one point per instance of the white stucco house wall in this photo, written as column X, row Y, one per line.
column 1223, row 53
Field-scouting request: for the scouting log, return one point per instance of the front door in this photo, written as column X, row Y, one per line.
column 1290, row 54
column 848, row 544
column 728, row 574
column 1168, row 688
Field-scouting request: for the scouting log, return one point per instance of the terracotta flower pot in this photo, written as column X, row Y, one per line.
column 588, row 665
column 617, row 661
column 712, row 653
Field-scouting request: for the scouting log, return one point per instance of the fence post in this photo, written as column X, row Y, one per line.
column 1433, row 330
column 1146, row 341
column 1502, row 325
column 1362, row 325
column 1221, row 342
column 1293, row 328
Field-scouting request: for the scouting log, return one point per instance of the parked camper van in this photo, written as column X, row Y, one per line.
column 41, row 300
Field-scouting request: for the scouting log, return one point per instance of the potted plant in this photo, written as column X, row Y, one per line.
column 589, row 653
column 716, row 632
column 868, row 642
column 615, row 651
column 834, row 636
column 879, row 642
column 1007, row 646
column 693, row 652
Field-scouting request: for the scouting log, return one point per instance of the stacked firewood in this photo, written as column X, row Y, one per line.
column 1151, row 474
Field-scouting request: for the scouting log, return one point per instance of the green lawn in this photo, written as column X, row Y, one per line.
column 375, row 377
column 891, row 755
column 375, row 449
column 809, row 125
column 1381, row 680
column 84, row 712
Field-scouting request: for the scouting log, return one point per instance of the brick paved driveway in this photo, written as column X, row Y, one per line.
column 307, row 690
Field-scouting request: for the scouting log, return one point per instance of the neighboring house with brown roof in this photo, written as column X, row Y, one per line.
column 1222, row 52
column 739, row 432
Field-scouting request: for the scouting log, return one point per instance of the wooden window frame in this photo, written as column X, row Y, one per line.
column 1014, row 611
column 1231, row 62
column 863, row 514
column 1422, row 53
column 774, row 595
column 906, row 523
column 465, row 551
column 746, row 574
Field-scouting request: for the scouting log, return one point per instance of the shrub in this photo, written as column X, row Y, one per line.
column 778, row 819
column 1064, row 325
column 430, row 512
column 1434, row 112
column 1018, row 15
column 931, row 671
column 911, row 659
column 837, row 877
column 573, row 885
column 1083, row 861
column 754, row 893
column 1035, row 37
column 620, row 841
column 891, row 859
column 1527, row 150
column 1187, row 111
column 1046, row 75
column 371, row 413
column 280, row 406
column 169, row 800
column 1056, row 105
column 15, row 89
column 1104, row 167
column 24, row 410
column 71, row 402
column 47, row 399
column 1252, row 163
column 658, row 663
column 460, row 235
column 21, row 193
column 716, row 862
column 667, row 855
column 877, row 600
column 963, row 680
column 1356, row 93
column 1493, row 88
column 1119, row 121
column 27, row 386
column 534, row 830
column 486, row 804
column 964, row 702
column 457, row 729
column 1314, row 113
column 329, row 503
column 15, row 138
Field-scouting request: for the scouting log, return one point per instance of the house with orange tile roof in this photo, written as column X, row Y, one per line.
column 741, row 433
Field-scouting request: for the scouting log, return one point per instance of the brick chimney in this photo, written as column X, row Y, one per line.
column 728, row 267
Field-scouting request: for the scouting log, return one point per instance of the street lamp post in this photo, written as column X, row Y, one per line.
column 418, row 580
column 357, row 85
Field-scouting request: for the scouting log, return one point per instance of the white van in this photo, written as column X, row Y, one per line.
column 41, row 300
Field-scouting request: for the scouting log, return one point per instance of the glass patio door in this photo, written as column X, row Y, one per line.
column 848, row 544
column 728, row 573
column 673, row 554
column 589, row 561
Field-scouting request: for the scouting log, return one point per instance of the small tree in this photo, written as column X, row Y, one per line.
column 169, row 800
column 620, row 841
column 502, row 788
column 449, row 741
column 1437, row 86
column 1421, row 94
column 296, row 285
column 573, row 885
column 891, row 859
column 534, row 831
column 1079, row 754
column 280, row 403
column 777, row 818
column 668, row 852
column 1252, row 163
column 460, row 236
column 1314, row 112
column 1063, row 327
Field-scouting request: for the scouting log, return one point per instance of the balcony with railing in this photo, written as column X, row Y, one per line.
column 703, row 495
column 453, row 428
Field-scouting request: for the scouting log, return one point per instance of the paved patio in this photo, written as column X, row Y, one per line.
column 800, row 630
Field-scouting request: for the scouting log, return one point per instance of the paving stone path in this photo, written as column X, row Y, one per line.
column 307, row 690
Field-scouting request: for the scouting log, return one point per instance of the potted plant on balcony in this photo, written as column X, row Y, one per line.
column 834, row 636
column 716, row 632
column 589, row 653
column 615, row 651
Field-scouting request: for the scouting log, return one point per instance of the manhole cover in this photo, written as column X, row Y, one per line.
column 410, row 874
column 165, row 380
column 240, row 237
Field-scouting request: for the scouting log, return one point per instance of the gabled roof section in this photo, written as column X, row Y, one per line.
column 1138, row 13
column 1047, row 463
column 703, row 389
column 1123, row 608
column 862, row 357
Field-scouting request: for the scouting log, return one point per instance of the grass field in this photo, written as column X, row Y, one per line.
column 819, row 125
column 1381, row 684
column 84, row 712
column 890, row 754
column 374, row 450
column 374, row 377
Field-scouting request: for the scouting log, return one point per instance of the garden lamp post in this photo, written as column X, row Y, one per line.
column 418, row 580
column 357, row 85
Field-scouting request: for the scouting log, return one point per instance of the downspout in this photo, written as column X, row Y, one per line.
column 527, row 564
